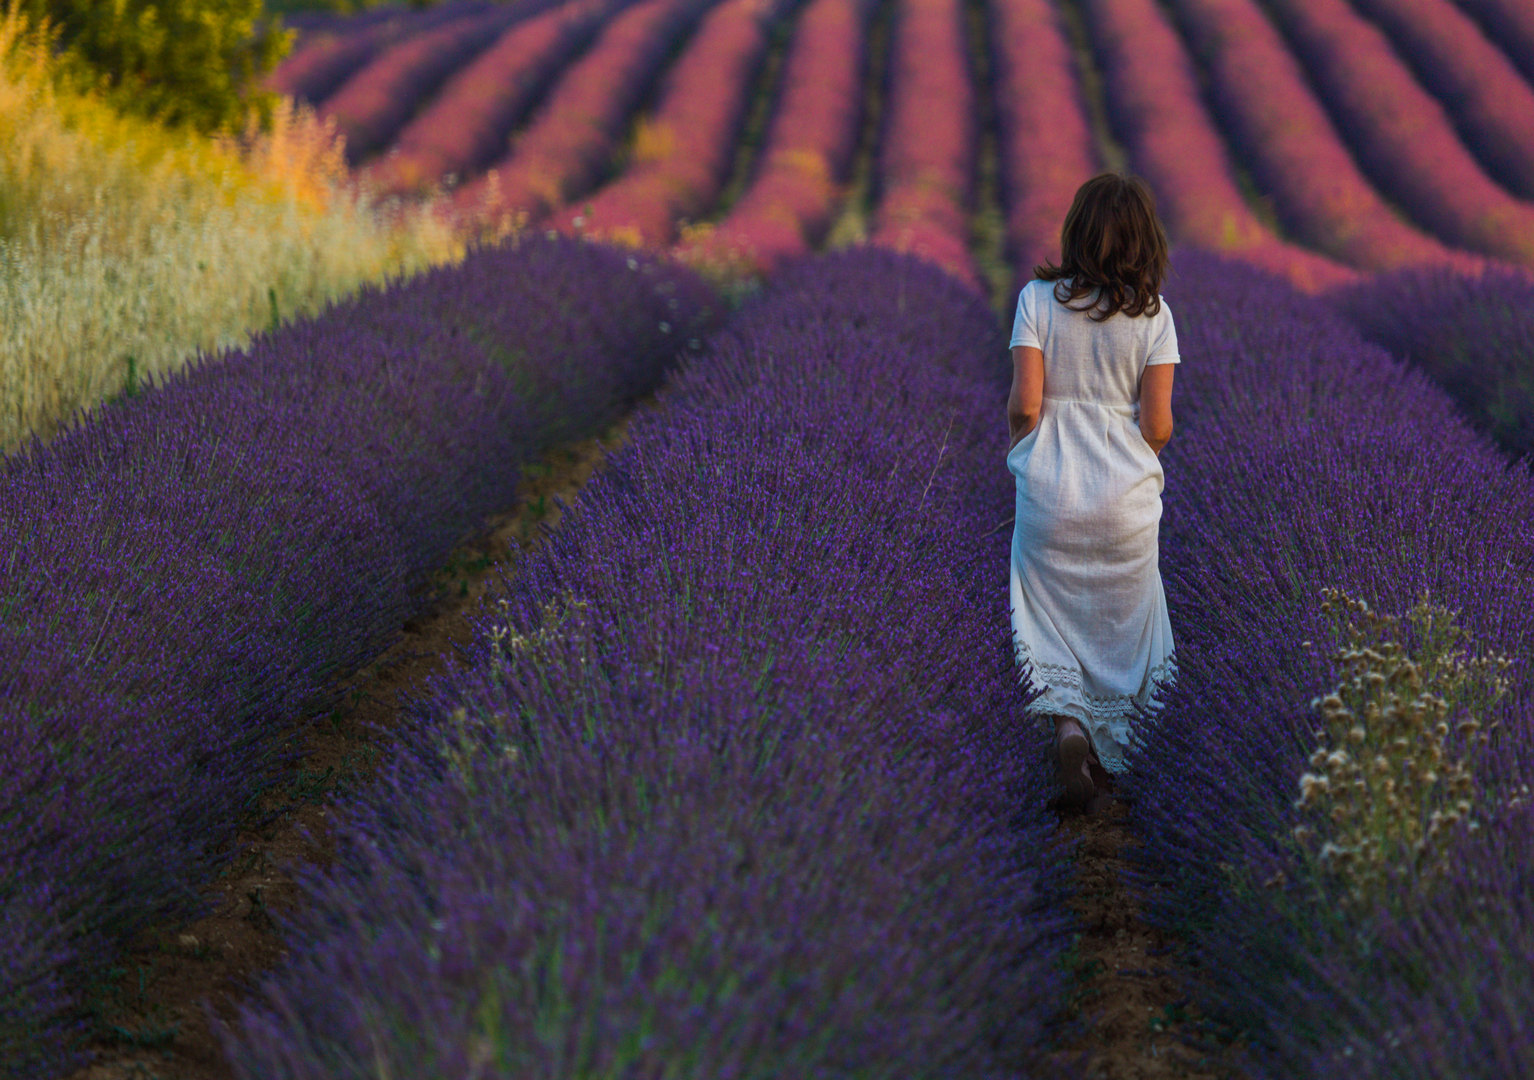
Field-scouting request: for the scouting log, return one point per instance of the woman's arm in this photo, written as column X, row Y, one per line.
column 1027, row 396
column 1156, row 404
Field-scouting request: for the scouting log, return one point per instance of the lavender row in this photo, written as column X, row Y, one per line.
column 1402, row 136
column 188, row 571
column 735, row 783
column 469, row 122
column 1156, row 109
column 1473, row 334
column 1307, row 458
column 329, row 54
column 1510, row 23
column 1282, row 128
column 371, row 107
column 1491, row 103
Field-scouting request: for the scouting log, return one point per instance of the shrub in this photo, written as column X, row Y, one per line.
column 190, row 62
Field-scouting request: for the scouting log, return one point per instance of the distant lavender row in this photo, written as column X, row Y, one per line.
column 326, row 57
column 806, row 155
column 1473, row 335
column 372, row 105
column 686, row 144
column 1402, row 136
column 1510, row 23
column 1491, row 103
column 188, row 571
column 468, row 123
column 1156, row 109
column 566, row 147
column 1307, row 458
column 1291, row 145
column 926, row 178
column 1045, row 138
column 738, row 783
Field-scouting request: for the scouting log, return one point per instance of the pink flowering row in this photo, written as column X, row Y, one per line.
column 576, row 131
column 1047, row 149
column 927, row 163
column 789, row 204
column 324, row 59
column 372, row 105
column 1488, row 98
column 466, row 126
column 1400, row 132
column 685, row 147
column 1153, row 98
column 1292, row 146
column 1510, row 23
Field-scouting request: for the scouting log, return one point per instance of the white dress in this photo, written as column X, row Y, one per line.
column 1089, row 615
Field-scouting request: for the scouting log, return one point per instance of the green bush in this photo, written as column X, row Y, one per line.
column 191, row 62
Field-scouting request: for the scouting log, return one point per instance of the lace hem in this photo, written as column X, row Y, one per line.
column 1106, row 717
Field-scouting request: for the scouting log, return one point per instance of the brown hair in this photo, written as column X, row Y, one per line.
column 1111, row 240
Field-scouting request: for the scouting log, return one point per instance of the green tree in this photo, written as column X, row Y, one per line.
column 192, row 62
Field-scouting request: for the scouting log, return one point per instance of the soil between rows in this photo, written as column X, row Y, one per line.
column 1130, row 1017
column 155, row 1025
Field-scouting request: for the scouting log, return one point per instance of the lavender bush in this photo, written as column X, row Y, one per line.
column 1306, row 459
column 187, row 571
column 1473, row 334
column 736, row 783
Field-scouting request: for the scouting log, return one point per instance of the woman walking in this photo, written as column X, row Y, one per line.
column 1093, row 354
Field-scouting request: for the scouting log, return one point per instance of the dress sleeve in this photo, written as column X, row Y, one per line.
column 1163, row 348
column 1024, row 325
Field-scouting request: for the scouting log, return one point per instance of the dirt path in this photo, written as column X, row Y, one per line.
column 154, row 1026
column 1131, row 1019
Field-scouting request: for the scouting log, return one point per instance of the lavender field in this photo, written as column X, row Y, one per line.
column 723, row 768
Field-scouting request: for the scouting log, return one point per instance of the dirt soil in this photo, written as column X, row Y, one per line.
column 155, row 1028
column 1131, row 1019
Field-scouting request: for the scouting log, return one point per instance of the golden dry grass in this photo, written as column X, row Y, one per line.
column 125, row 244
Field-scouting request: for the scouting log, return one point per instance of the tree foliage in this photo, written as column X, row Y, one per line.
column 191, row 62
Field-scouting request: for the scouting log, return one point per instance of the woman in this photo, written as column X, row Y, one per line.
column 1093, row 353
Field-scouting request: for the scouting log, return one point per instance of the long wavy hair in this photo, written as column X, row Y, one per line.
column 1111, row 240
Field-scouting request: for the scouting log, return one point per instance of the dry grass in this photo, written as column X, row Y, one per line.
column 126, row 247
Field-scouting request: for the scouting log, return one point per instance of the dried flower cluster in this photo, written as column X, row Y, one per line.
column 1382, row 779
